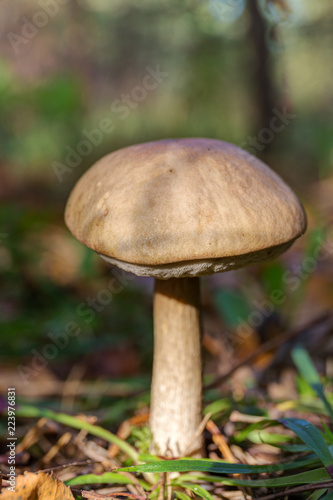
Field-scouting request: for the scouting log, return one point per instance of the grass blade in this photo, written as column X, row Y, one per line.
column 182, row 496
column 106, row 478
column 309, row 477
column 329, row 496
column 315, row 495
column 204, row 465
column 198, row 490
column 311, row 436
column 308, row 371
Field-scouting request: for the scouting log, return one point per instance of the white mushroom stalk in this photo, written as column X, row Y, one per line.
column 176, row 392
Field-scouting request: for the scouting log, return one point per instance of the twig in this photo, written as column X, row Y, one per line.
column 72, row 464
column 298, row 489
column 161, row 493
column 62, row 441
column 220, row 441
column 169, row 486
column 94, row 496
column 268, row 346
column 32, row 436
column 71, row 387
column 125, row 429
column 128, row 495
column 197, row 433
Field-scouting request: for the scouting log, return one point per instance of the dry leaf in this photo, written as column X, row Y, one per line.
column 37, row 487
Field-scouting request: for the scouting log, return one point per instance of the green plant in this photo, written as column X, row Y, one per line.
column 312, row 471
column 307, row 464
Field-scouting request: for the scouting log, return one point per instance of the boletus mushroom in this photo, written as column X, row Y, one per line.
column 177, row 210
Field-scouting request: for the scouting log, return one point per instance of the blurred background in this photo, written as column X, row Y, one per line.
column 81, row 78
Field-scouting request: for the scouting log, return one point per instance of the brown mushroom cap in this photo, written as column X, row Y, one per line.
column 184, row 207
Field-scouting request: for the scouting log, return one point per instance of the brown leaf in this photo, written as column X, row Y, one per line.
column 37, row 487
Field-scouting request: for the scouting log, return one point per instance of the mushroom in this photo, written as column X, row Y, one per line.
column 177, row 210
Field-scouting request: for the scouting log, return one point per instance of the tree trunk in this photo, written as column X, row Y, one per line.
column 264, row 88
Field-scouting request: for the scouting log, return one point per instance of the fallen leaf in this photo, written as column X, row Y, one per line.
column 37, row 487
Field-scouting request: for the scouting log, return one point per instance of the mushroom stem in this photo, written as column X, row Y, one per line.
column 176, row 393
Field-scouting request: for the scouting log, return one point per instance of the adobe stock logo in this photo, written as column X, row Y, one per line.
column 291, row 281
column 121, row 108
column 278, row 123
column 30, row 27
